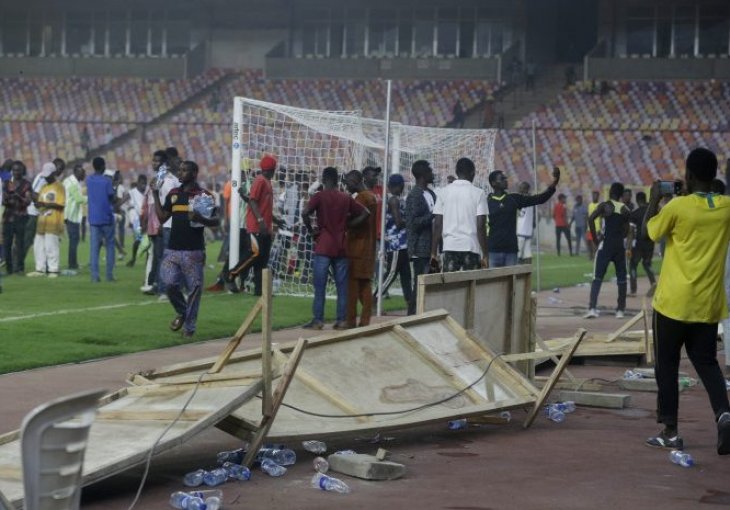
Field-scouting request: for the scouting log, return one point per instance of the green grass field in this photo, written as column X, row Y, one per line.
column 50, row 321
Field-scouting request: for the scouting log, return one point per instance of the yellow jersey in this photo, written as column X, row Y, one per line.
column 50, row 221
column 697, row 229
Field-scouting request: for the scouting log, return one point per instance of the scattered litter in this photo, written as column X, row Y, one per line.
column 329, row 484
column 215, row 477
column 554, row 414
column 556, row 290
column 278, row 454
column 235, row 456
column 681, row 459
column 632, row 375
column 458, row 424
column 506, row 416
column 237, row 471
column 566, row 407
column 271, row 468
column 346, row 452
column 687, row 382
column 377, row 438
column 320, row 465
column 382, row 454
column 199, row 500
column 314, row 446
column 194, row 479
column 582, row 284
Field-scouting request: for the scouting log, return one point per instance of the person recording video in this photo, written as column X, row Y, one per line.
column 690, row 299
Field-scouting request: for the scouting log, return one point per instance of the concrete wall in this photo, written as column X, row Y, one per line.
column 242, row 48
column 90, row 66
column 658, row 68
column 396, row 68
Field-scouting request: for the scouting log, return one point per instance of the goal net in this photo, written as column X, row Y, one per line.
column 305, row 142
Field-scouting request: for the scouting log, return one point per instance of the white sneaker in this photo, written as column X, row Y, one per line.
column 146, row 288
column 592, row 314
column 35, row 274
column 619, row 314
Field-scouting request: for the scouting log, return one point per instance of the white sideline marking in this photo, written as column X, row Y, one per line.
column 76, row 310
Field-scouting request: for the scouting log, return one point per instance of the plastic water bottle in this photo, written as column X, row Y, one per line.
column 209, row 493
column 506, row 416
column 271, row 468
column 315, row 446
column 282, row 456
column 320, row 464
column 681, row 458
column 194, row 478
column 160, row 175
column 329, row 484
column 215, row 477
column 187, row 501
column 346, row 452
column 237, row 471
column 554, row 414
column 458, row 424
column 632, row 375
column 235, row 456
column 566, row 407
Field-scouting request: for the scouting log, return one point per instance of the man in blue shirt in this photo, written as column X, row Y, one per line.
column 101, row 218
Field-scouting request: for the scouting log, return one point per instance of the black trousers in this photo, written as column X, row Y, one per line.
column 74, row 234
column 256, row 257
column 397, row 264
column 14, row 234
column 643, row 254
column 565, row 231
column 420, row 266
column 604, row 256
column 700, row 342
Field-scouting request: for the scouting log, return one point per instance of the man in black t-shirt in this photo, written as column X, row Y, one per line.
column 503, row 208
column 643, row 249
column 184, row 256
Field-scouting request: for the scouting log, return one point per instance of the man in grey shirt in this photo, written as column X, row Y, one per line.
column 580, row 221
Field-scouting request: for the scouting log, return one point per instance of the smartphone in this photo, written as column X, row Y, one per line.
column 670, row 187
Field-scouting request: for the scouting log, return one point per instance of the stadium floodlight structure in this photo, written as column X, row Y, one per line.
column 306, row 141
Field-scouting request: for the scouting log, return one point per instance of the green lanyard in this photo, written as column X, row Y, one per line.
column 709, row 197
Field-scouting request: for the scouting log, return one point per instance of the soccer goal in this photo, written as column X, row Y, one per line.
column 305, row 142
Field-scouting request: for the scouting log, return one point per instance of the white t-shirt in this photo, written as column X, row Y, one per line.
column 169, row 183
column 38, row 182
column 525, row 221
column 460, row 203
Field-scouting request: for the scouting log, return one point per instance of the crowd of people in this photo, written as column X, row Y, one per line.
column 338, row 220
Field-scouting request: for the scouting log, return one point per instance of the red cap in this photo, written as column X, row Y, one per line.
column 267, row 163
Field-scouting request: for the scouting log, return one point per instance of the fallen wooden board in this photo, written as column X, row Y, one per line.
column 577, row 384
column 593, row 346
column 375, row 379
column 595, row 399
column 129, row 426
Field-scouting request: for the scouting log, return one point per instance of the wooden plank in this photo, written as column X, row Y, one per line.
column 236, row 340
column 434, row 362
column 547, row 350
column 149, row 415
column 639, row 385
column 8, row 472
column 150, row 390
column 266, row 400
column 595, row 399
column 222, row 376
column 471, row 296
column 554, row 378
column 255, row 353
column 553, row 355
column 477, row 274
column 314, row 384
column 648, row 338
column 629, row 324
column 277, row 399
column 577, row 384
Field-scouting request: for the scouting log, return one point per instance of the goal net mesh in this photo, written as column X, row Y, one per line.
column 305, row 142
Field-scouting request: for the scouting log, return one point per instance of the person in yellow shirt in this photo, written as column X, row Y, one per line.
column 591, row 243
column 51, row 202
column 690, row 298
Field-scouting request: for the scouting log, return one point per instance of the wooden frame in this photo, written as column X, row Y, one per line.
column 494, row 304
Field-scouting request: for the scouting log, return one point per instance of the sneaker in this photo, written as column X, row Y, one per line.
column 663, row 441
column 619, row 314
column 723, row 434
column 35, row 274
column 146, row 288
column 340, row 325
column 592, row 314
column 313, row 324
column 232, row 288
column 216, row 287
column 188, row 334
column 177, row 322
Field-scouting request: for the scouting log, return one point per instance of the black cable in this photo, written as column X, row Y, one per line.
column 402, row 411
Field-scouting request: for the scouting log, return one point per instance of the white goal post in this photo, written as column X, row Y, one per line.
column 304, row 142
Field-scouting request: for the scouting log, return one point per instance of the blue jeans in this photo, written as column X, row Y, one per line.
column 102, row 234
column 502, row 259
column 74, row 235
column 321, row 265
